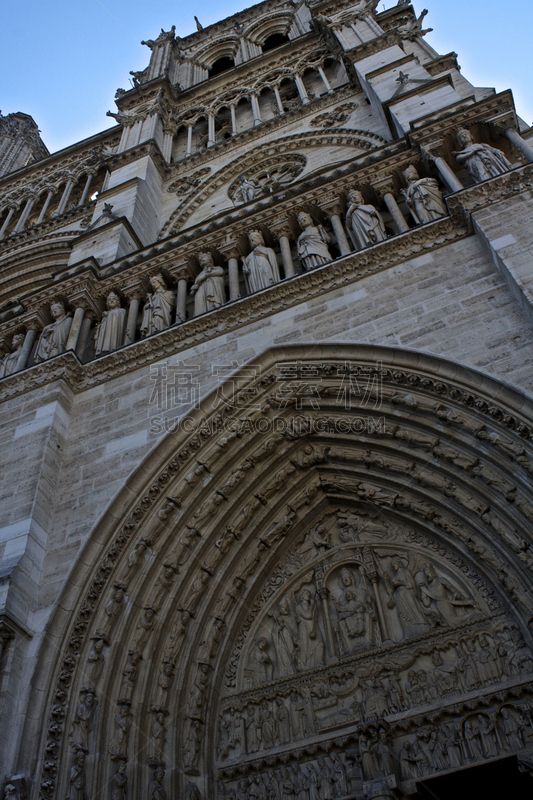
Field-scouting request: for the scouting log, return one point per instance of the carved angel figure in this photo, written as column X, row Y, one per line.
column 285, row 636
column 310, row 642
column 481, row 161
column 440, row 597
column 404, row 597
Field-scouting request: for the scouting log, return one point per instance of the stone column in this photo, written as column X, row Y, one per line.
column 433, row 152
column 301, row 89
column 167, row 146
column 31, row 334
column 84, row 334
column 447, row 174
column 524, row 147
column 46, row 205
column 25, row 214
column 385, row 190
column 189, row 140
column 325, row 80
column 181, row 300
column 231, row 251
column 233, row 120
column 64, row 199
column 332, row 207
column 395, row 212
column 278, row 101
column 255, row 109
column 211, row 139
column 286, row 255
column 233, row 274
column 6, row 223
column 86, row 188
column 135, row 293
column 182, row 274
column 75, row 328
column 338, row 229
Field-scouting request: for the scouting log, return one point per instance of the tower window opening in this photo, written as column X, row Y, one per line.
column 221, row 65
column 274, row 40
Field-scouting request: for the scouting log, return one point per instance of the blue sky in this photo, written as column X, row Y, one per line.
column 62, row 61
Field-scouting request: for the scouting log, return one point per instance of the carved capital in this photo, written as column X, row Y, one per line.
column 230, row 249
column 135, row 291
column 84, row 298
column 36, row 320
column 180, row 270
column 384, row 186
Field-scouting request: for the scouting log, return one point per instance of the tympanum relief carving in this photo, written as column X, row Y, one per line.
column 362, row 627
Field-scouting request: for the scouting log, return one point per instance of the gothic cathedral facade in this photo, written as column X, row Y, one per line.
column 267, row 425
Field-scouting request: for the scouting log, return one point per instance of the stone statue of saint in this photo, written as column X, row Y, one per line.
column 312, row 243
column 8, row 365
column 364, row 223
column 247, row 189
column 423, row 197
column 208, row 288
column 481, row 161
column 158, row 307
column 261, row 265
column 77, row 778
column 53, row 339
column 110, row 330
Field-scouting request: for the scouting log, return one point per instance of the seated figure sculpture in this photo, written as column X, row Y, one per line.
column 158, row 307
column 53, row 339
column 208, row 288
column 261, row 265
column 423, row 197
column 8, row 364
column 312, row 243
column 364, row 223
column 481, row 161
column 110, row 330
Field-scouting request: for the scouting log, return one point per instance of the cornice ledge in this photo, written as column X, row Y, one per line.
column 250, row 309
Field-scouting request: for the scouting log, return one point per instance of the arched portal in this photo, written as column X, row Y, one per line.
column 322, row 577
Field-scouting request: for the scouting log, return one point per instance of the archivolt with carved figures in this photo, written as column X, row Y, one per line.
column 319, row 579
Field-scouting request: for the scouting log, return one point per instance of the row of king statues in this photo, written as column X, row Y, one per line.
column 365, row 227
